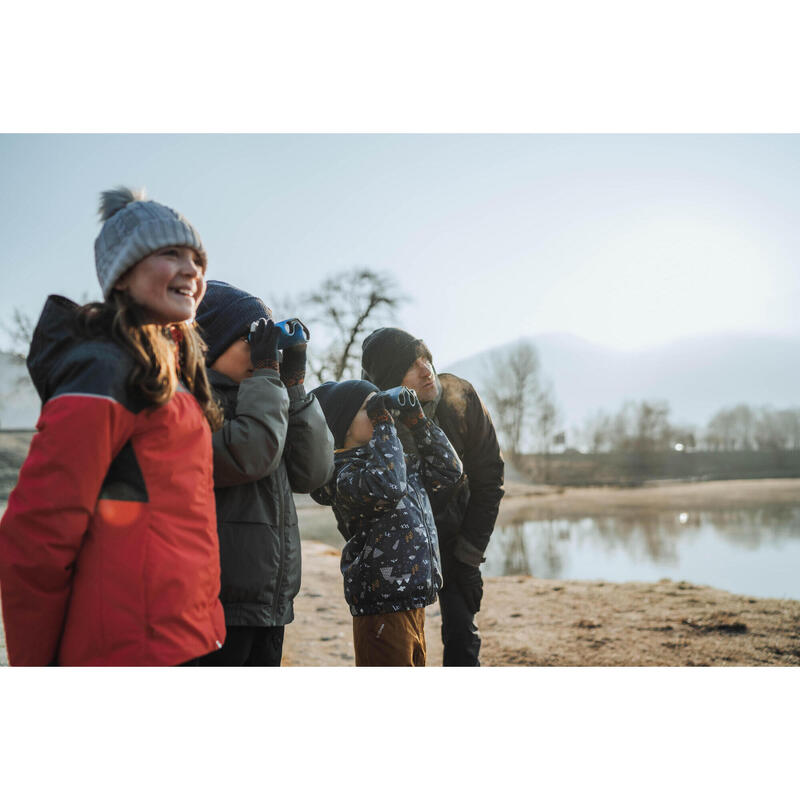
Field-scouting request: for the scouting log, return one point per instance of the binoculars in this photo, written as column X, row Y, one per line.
column 290, row 333
column 400, row 398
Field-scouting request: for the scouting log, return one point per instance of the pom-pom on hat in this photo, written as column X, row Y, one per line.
column 388, row 353
column 225, row 314
column 340, row 403
column 133, row 228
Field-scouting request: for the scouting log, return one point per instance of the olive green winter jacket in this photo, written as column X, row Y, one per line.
column 274, row 441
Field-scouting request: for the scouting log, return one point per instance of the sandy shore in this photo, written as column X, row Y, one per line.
column 535, row 622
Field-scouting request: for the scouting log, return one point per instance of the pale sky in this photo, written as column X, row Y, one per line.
column 625, row 240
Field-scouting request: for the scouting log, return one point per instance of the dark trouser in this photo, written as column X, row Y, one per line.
column 460, row 636
column 396, row 639
column 248, row 647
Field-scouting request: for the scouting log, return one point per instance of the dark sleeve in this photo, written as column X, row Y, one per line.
column 249, row 446
column 375, row 483
column 484, row 467
column 439, row 464
column 309, row 443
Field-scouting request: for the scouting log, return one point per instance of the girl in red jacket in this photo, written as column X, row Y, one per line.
column 108, row 548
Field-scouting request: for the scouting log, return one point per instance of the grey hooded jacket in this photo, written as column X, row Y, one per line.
column 274, row 441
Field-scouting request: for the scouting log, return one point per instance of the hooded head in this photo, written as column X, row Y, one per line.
column 340, row 403
column 133, row 228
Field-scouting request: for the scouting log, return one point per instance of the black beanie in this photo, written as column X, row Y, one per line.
column 340, row 403
column 387, row 354
column 225, row 314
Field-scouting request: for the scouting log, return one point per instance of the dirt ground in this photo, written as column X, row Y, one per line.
column 535, row 622
column 529, row 621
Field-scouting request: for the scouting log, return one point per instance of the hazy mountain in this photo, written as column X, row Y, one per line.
column 19, row 402
column 696, row 376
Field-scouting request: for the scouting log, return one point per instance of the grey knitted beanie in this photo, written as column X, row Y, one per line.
column 133, row 228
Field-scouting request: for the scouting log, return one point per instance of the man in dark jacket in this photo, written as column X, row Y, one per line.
column 274, row 441
column 464, row 516
column 380, row 497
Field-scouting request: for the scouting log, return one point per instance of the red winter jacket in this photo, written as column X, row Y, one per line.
column 108, row 549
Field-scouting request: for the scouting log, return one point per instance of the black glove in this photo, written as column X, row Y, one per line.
column 469, row 582
column 377, row 410
column 263, row 341
column 293, row 366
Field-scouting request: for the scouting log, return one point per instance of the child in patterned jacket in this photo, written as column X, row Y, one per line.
column 390, row 563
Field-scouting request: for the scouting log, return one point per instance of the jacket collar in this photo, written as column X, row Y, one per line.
column 220, row 381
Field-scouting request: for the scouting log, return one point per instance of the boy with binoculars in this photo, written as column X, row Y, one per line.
column 274, row 441
column 390, row 563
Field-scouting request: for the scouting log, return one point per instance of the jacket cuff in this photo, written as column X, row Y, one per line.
column 267, row 372
column 297, row 393
column 468, row 553
column 421, row 427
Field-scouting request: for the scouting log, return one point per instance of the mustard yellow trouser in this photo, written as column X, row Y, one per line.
column 390, row 640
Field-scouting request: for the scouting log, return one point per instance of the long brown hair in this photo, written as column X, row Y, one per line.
column 162, row 355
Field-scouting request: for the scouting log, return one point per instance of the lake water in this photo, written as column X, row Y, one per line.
column 752, row 551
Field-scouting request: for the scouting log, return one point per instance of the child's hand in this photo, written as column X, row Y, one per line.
column 400, row 397
column 293, row 332
column 263, row 341
column 293, row 366
column 376, row 408
column 406, row 403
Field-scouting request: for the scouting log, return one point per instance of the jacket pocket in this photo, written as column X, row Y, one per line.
column 249, row 561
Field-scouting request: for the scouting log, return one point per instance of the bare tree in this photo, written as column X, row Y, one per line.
column 20, row 332
column 652, row 428
column 513, row 391
column 777, row 430
column 547, row 418
column 345, row 306
column 741, row 428
column 595, row 433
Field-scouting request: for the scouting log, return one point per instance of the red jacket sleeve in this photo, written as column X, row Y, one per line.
column 47, row 517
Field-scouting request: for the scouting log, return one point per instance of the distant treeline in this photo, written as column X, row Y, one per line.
column 573, row 468
column 645, row 426
column 637, row 443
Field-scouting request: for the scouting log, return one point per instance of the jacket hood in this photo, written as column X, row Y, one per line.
column 53, row 337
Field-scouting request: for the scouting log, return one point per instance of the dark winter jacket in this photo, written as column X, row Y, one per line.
column 108, row 548
column 274, row 441
column 380, row 498
column 465, row 515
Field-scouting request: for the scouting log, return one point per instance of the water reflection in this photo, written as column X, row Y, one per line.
column 705, row 546
column 753, row 550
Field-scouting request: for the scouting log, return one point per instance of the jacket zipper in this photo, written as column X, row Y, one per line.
column 427, row 536
column 281, row 564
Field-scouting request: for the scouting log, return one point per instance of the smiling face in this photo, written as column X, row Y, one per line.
column 421, row 377
column 169, row 284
